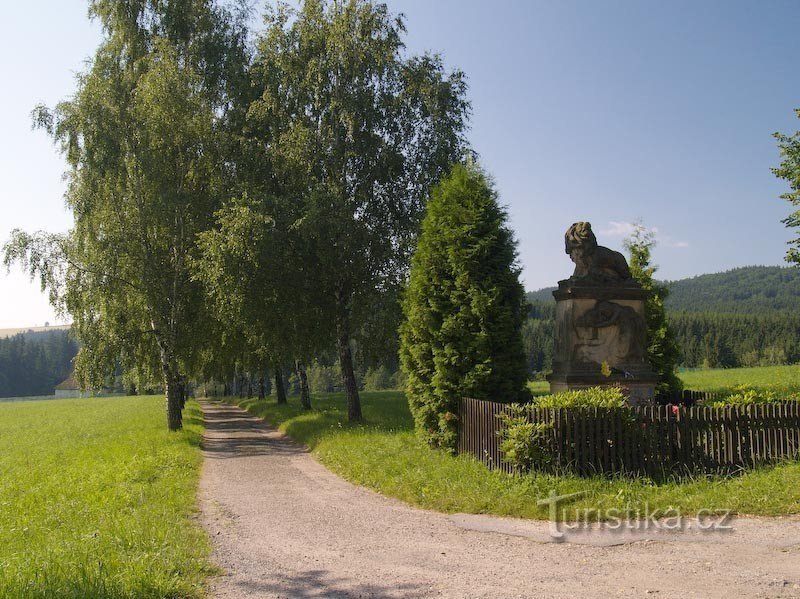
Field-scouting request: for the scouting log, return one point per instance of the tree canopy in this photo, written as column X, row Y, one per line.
column 353, row 134
column 789, row 170
column 143, row 137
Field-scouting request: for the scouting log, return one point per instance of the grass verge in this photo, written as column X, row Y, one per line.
column 97, row 498
column 385, row 455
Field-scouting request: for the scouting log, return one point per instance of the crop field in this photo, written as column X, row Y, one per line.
column 97, row 498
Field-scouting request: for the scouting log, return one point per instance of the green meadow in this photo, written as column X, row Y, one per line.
column 778, row 378
column 97, row 499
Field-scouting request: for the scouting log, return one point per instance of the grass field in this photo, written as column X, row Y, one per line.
column 96, row 499
column 385, row 455
column 779, row 378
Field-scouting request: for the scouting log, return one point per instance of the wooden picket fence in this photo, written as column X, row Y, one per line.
column 651, row 440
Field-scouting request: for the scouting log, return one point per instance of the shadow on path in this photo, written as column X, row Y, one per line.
column 233, row 433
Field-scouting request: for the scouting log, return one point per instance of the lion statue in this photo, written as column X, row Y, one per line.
column 593, row 261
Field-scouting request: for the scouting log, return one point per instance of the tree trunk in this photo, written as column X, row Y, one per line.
column 182, row 391
column 172, row 382
column 261, row 388
column 305, row 396
column 240, row 385
column 249, row 386
column 280, row 390
column 348, row 375
column 172, row 386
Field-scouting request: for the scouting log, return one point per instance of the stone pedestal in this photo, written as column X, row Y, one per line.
column 601, row 328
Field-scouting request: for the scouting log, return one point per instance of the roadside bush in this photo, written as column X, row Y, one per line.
column 522, row 442
column 593, row 397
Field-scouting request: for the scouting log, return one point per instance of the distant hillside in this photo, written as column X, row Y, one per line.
column 750, row 289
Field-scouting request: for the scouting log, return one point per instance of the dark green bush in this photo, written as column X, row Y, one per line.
column 464, row 307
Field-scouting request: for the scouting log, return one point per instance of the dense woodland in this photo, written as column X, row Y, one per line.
column 33, row 363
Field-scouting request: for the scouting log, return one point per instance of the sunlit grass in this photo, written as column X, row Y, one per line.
column 385, row 455
column 97, row 499
column 778, row 378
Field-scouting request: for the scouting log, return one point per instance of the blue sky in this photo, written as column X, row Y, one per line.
column 602, row 111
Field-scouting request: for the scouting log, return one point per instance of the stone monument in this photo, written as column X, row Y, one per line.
column 600, row 329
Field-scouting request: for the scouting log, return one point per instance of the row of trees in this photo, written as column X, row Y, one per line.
column 242, row 206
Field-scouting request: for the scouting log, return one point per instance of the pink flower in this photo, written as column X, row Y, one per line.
column 675, row 410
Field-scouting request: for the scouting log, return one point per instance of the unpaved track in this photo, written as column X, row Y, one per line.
column 284, row 526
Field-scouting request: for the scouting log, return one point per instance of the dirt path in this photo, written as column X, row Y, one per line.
column 284, row 526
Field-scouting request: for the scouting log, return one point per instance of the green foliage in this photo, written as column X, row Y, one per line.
column 322, row 379
column 593, row 397
column 386, row 455
column 353, row 133
column 143, row 137
column 378, row 379
column 99, row 501
column 522, row 442
column 464, row 307
column 789, row 171
column 744, row 395
column 662, row 350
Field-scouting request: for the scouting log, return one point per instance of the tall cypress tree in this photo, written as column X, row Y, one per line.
column 662, row 350
column 464, row 307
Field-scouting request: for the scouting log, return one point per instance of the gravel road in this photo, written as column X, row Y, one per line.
column 284, row 526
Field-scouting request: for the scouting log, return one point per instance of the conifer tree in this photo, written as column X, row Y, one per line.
column 464, row 307
column 662, row 350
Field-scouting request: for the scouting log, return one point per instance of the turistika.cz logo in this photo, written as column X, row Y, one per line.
column 642, row 521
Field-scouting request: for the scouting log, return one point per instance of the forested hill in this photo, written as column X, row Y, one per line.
column 34, row 362
column 750, row 289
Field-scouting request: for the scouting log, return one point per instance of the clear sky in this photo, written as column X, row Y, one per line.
column 603, row 111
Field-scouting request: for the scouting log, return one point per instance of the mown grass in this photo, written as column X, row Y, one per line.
column 385, row 455
column 97, row 498
column 778, row 378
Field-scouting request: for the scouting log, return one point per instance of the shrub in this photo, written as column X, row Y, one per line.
column 522, row 442
column 322, row 379
column 745, row 395
column 464, row 307
column 399, row 380
column 593, row 397
column 378, row 379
